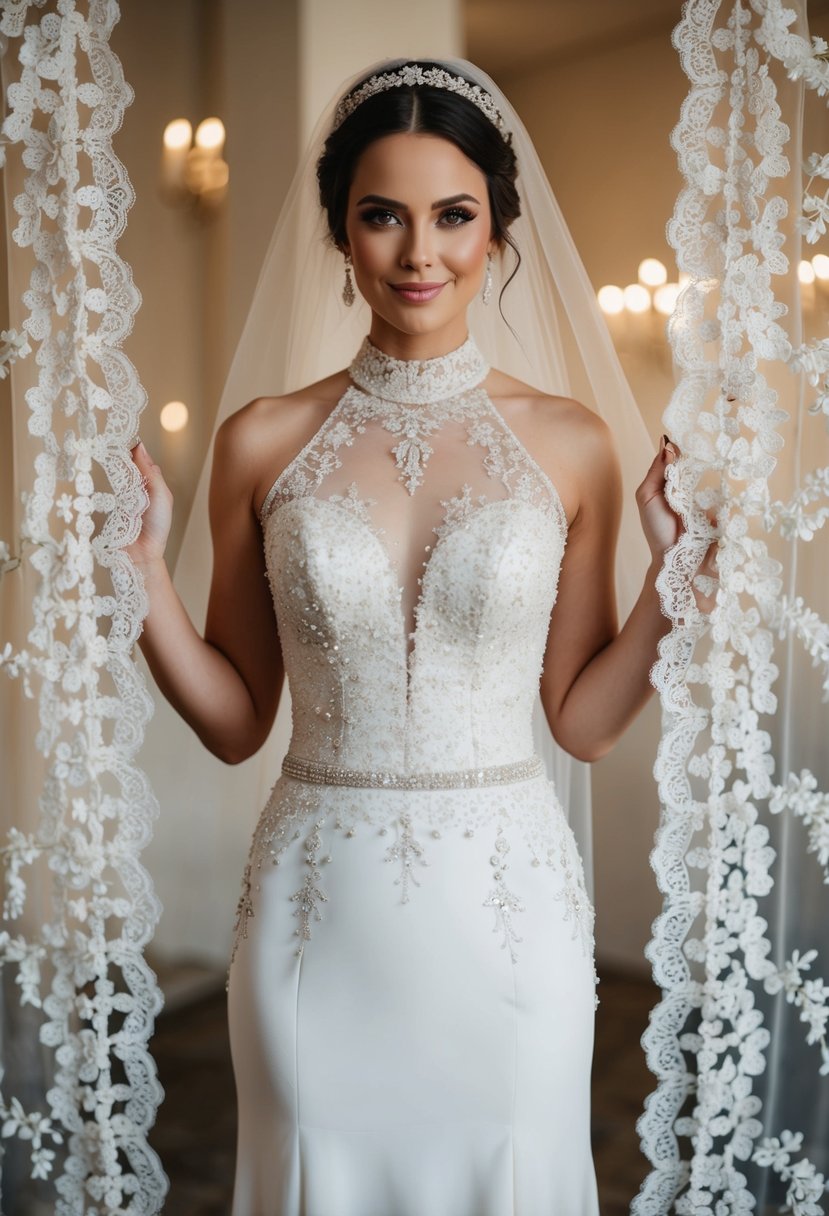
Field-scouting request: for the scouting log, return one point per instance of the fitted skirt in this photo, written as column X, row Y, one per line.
column 411, row 1006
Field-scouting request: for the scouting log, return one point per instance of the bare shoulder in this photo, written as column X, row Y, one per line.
column 571, row 443
column 546, row 410
column 260, row 439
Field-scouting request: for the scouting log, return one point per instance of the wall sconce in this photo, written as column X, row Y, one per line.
column 193, row 167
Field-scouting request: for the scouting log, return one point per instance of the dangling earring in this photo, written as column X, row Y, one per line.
column 487, row 293
column 348, row 286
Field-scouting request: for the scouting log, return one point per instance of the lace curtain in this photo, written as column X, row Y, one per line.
column 738, row 1043
column 80, row 1091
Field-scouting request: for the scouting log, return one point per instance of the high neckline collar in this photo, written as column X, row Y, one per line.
column 418, row 381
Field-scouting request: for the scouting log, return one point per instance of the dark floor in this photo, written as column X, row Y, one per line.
column 621, row 1082
column 196, row 1127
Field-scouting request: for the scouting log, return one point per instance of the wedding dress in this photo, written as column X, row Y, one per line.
column 411, row 995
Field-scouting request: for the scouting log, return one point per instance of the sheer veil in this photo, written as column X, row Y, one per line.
column 298, row 331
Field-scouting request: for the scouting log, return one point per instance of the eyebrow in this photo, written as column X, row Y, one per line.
column 436, row 206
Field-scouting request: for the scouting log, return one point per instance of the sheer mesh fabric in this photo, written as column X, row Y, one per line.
column 459, row 464
column 411, row 541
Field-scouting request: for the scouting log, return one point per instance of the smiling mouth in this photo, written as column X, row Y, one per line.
column 418, row 293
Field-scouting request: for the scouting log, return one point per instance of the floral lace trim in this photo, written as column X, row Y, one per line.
column 96, row 996
column 447, row 386
column 458, row 509
column 506, row 459
column 412, row 450
column 715, row 674
column 352, row 502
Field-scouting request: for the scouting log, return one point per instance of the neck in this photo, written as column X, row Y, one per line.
column 431, row 345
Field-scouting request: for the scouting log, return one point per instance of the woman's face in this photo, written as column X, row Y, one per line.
column 418, row 228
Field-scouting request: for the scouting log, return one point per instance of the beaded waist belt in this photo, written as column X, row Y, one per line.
column 465, row 778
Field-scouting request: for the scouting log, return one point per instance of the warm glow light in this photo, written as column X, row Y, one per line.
column 174, row 416
column 820, row 262
column 216, row 176
column 210, row 134
column 178, row 134
column 637, row 298
column 652, row 272
column 684, row 278
column 611, row 299
column 806, row 272
column 665, row 297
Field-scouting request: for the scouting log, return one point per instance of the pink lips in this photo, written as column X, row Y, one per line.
column 418, row 293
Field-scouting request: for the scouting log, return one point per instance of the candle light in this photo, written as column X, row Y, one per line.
column 637, row 298
column 174, row 416
column 611, row 300
column 652, row 272
column 178, row 136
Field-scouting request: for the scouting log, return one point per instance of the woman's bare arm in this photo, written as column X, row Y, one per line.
column 596, row 678
column 227, row 684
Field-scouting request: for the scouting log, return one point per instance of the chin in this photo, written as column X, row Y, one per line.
column 418, row 319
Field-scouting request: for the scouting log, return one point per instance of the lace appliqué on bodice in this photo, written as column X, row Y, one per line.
column 413, row 549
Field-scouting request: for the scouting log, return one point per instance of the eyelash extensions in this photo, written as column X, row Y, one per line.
column 373, row 215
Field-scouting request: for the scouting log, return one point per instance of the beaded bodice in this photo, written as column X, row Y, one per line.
column 413, row 548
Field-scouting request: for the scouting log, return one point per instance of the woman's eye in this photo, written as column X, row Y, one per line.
column 383, row 219
column 457, row 216
column 380, row 217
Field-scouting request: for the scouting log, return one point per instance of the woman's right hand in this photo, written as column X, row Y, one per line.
column 157, row 518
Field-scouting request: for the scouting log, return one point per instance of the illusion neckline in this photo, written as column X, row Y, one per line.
column 418, row 381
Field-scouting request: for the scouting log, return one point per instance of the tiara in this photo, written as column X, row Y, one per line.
column 411, row 74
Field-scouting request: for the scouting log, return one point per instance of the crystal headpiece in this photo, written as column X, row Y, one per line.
column 411, row 74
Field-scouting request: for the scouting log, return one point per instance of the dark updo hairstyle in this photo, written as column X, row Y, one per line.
column 427, row 110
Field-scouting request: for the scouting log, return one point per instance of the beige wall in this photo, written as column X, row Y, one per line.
column 602, row 123
column 162, row 245
column 339, row 39
column 197, row 272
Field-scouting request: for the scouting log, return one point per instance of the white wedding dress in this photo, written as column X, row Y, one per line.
column 411, row 997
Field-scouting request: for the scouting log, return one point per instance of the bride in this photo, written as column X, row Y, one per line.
column 411, row 996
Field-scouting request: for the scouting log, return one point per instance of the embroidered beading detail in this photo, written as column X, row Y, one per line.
column 501, row 898
column 333, row 774
column 310, row 895
column 457, row 509
column 351, row 501
column 244, row 911
column 418, row 381
column 407, row 850
column 578, row 909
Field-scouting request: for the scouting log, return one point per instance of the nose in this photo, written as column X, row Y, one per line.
column 418, row 252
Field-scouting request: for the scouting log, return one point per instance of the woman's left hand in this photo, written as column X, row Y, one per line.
column 660, row 523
